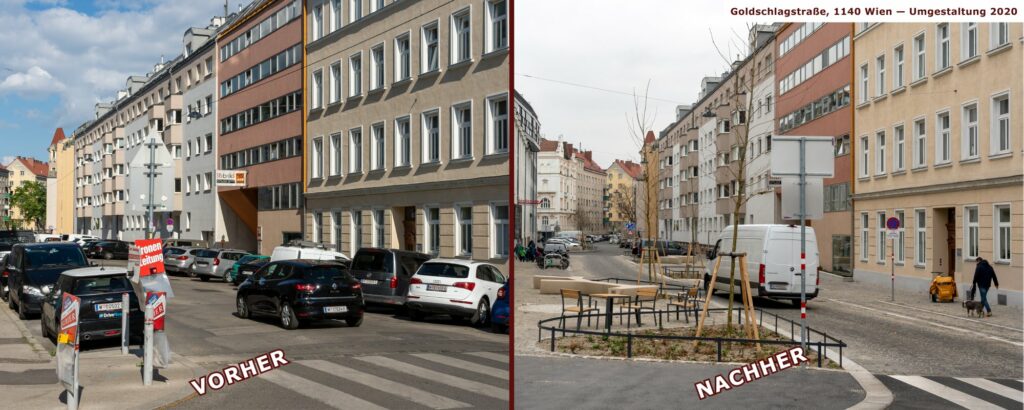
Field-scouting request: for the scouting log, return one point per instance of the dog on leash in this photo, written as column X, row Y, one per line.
column 973, row 308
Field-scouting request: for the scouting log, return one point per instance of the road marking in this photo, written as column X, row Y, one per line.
column 946, row 392
column 464, row 365
column 324, row 394
column 994, row 387
column 387, row 386
column 416, row 371
column 930, row 323
column 489, row 355
column 972, row 320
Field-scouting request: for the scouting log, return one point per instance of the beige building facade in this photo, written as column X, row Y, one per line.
column 938, row 145
column 60, row 193
column 408, row 128
column 21, row 171
column 620, row 194
column 590, row 191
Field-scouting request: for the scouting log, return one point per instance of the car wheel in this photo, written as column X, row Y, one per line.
column 22, row 314
column 10, row 298
column 354, row 321
column 192, row 270
column 795, row 302
column 416, row 315
column 288, row 319
column 3, row 295
column 934, row 299
column 242, row 308
column 46, row 331
column 483, row 313
column 204, row 278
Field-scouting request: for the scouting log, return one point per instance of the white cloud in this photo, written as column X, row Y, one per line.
column 35, row 79
column 7, row 160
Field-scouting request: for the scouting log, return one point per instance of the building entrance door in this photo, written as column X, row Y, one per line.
column 409, row 229
column 951, row 240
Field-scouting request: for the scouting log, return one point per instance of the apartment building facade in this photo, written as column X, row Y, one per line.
column 408, row 126
column 5, row 197
column 23, row 170
column 620, row 198
column 937, row 146
column 60, row 184
column 525, row 177
column 590, row 194
column 557, row 174
column 259, row 65
column 813, row 99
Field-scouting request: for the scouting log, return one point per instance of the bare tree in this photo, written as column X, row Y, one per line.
column 639, row 124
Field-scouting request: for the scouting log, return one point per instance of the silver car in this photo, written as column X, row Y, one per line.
column 215, row 263
column 179, row 259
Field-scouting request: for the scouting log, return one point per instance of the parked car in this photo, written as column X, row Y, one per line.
column 307, row 250
column 245, row 272
column 10, row 238
column 179, row 259
column 77, row 238
column 85, row 244
column 300, row 290
column 185, row 243
column 457, row 287
column 773, row 252
column 3, row 277
column 233, row 275
column 99, row 316
column 108, row 250
column 500, row 312
column 385, row 273
column 567, row 242
column 34, row 268
column 215, row 263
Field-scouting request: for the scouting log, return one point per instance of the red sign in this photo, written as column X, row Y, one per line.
column 158, row 300
column 68, row 332
column 151, row 256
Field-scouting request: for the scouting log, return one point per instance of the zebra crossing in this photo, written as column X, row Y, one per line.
column 965, row 392
column 405, row 380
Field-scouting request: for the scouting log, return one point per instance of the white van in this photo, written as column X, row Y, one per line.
column 773, row 261
column 306, row 251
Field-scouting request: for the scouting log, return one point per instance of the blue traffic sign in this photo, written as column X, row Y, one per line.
column 892, row 223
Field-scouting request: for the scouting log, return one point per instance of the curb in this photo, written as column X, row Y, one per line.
column 40, row 351
column 844, row 278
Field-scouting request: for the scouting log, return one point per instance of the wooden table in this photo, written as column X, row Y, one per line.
column 609, row 297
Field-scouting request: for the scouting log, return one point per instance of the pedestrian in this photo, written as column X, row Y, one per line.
column 520, row 252
column 985, row 276
column 531, row 248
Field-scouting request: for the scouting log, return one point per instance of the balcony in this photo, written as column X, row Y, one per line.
column 119, row 156
column 119, row 182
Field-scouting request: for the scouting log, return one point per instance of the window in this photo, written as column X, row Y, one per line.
column 497, row 25
column 942, row 138
column 999, row 139
column 497, row 130
column 355, row 150
column 336, row 229
column 355, row 75
column 433, row 245
column 403, row 145
column 942, row 47
column 317, row 29
column 376, row 5
column 900, row 153
column 880, row 153
column 377, row 152
column 465, row 230
column 842, row 145
column 431, row 145
column 864, row 236
column 920, row 144
column 460, row 41
column 430, row 49
column 971, row 233
column 335, row 154
column 863, row 97
column 864, row 156
column 499, row 213
column 881, row 237
column 335, row 83
column 1002, row 223
column 355, row 10
column 897, row 74
column 968, row 41
column 378, row 228
column 919, row 237
column 919, row 57
column 900, row 240
column 316, row 165
column 880, row 68
column 377, row 75
column 969, row 128
column 357, row 230
column 335, row 14
column 208, row 181
column 402, row 62
column 462, row 131
column 188, row 184
column 999, row 35
column 318, row 220
column 316, row 97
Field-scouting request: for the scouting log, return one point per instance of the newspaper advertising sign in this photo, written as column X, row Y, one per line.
column 67, row 342
column 159, row 302
column 146, row 266
column 156, row 302
column 231, row 178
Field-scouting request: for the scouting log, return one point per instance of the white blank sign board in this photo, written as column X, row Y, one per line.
column 819, row 153
column 814, row 195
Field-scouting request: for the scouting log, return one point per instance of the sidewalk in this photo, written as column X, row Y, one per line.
column 107, row 379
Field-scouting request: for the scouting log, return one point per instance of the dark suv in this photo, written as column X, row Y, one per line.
column 34, row 268
column 108, row 250
column 100, row 291
column 300, row 290
column 385, row 273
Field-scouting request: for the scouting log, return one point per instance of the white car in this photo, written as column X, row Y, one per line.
column 456, row 287
column 307, row 251
column 569, row 244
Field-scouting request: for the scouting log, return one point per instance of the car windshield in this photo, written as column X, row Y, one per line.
column 55, row 256
column 105, row 284
column 324, row 272
column 444, row 270
column 375, row 261
column 175, row 251
column 206, row 253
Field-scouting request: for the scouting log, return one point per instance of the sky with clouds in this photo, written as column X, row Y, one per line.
column 61, row 57
column 615, row 48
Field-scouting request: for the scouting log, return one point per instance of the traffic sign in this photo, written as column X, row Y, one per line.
column 819, row 156
column 893, row 223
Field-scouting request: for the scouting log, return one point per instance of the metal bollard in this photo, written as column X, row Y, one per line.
column 147, row 357
column 124, row 324
column 629, row 345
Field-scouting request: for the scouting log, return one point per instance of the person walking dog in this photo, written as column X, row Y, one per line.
column 985, row 276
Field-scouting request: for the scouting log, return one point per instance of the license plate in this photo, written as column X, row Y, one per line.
column 437, row 288
column 776, row 285
column 100, row 307
column 370, row 281
column 335, row 309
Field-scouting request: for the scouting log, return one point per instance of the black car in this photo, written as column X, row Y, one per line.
column 3, row 277
column 302, row 290
column 34, row 268
column 100, row 290
column 385, row 273
column 246, row 270
column 108, row 250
